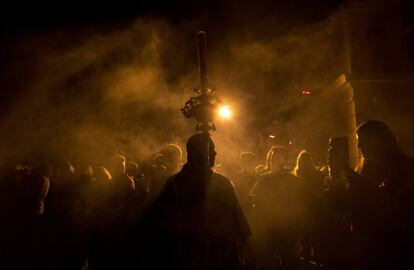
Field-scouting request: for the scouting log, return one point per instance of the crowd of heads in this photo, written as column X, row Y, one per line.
column 303, row 216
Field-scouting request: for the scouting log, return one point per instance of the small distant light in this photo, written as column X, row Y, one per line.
column 272, row 136
column 225, row 112
column 306, row 92
column 290, row 142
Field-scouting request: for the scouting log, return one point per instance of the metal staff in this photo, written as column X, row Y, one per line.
column 202, row 62
column 203, row 106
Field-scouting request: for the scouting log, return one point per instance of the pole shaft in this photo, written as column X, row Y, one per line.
column 202, row 62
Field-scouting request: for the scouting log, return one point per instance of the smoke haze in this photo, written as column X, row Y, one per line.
column 105, row 88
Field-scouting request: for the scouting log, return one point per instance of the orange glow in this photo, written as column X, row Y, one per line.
column 225, row 112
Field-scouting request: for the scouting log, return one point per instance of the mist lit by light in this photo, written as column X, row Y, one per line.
column 225, row 112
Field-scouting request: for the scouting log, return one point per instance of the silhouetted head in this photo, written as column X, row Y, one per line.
column 304, row 162
column 376, row 140
column 276, row 158
column 132, row 168
column 172, row 158
column 117, row 165
column 201, row 150
column 338, row 154
column 102, row 175
column 158, row 159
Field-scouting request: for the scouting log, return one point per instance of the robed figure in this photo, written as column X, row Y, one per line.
column 199, row 216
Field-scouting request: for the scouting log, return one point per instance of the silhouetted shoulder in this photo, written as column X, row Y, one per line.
column 222, row 180
column 168, row 188
column 170, row 179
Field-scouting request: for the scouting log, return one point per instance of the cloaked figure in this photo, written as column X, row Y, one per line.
column 387, row 220
column 199, row 216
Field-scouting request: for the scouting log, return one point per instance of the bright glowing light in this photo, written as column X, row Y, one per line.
column 225, row 112
column 272, row 136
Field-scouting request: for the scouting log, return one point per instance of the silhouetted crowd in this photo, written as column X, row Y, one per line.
column 58, row 213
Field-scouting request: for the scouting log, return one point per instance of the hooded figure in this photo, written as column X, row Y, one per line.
column 389, row 218
column 199, row 214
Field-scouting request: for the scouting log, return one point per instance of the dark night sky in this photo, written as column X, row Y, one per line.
column 21, row 18
column 18, row 19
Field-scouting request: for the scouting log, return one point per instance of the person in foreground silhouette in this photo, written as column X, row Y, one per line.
column 200, row 218
column 389, row 220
